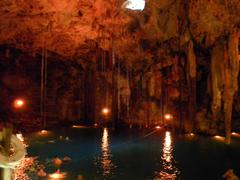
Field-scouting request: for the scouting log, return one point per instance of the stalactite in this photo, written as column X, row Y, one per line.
column 231, row 67
column 233, row 55
column 192, row 86
column 86, row 95
column 94, row 85
column 224, row 75
column 191, row 61
column 217, row 69
column 45, row 89
column 90, row 94
column 43, row 84
column 114, row 91
column 180, row 107
column 128, row 99
column 118, row 92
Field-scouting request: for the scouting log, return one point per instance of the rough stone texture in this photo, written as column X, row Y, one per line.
column 154, row 60
column 231, row 62
column 67, row 26
column 217, row 77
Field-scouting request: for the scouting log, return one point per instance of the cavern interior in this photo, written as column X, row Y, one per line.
column 119, row 89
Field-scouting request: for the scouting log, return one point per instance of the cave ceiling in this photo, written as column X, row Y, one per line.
column 74, row 28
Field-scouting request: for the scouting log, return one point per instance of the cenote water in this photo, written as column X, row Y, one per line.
column 134, row 154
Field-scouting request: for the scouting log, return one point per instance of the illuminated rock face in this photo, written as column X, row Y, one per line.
column 174, row 56
column 68, row 26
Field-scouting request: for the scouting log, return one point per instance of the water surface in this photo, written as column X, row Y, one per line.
column 134, row 154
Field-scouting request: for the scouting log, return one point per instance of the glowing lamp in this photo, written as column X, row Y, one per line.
column 168, row 116
column 235, row 134
column 78, row 126
column 105, row 111
column 57, row 175
column 43, row 131
column 134, row 4
column 158, row 127
column 18, row 103
column 219, row 138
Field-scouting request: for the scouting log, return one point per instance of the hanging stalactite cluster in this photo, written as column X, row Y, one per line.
column 145, row 63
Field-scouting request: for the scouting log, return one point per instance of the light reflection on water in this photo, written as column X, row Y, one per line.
column 103, row 155
column 169, row 170
column 106, row 154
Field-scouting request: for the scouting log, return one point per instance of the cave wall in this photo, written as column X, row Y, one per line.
column 175, row 56
column 21, row 78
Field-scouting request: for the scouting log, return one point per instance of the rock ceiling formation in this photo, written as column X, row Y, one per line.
column 179, row 56
column 72, row 28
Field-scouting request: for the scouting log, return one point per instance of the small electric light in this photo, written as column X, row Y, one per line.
column 191, row 134
column 43, row 131
column 168, row 116
column 58, row 175
column 158, row 127
column 78, row 126
column 219, row 138
column 235, row 134
column 105, row 111
column 18, row 103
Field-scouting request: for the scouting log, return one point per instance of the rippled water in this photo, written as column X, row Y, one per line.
column 134, row 154
column 169, row 168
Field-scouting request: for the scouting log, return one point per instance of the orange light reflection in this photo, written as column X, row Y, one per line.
column 168, row 171
column 57, row 175
column 106, row 155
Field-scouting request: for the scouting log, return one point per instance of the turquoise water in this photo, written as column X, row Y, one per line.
column 131, row 154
